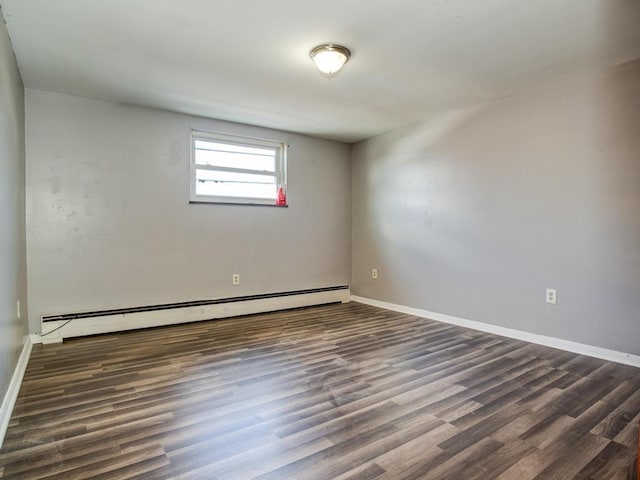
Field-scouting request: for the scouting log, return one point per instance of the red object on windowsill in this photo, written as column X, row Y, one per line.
column 281, row 199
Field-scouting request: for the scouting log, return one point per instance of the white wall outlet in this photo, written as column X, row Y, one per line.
column 551, row 296
column 18, row 309
column 374, row 273
column 235, row 280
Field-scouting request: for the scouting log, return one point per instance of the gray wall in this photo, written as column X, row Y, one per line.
column 12, row 230
column 475, row 214
column 109, row 224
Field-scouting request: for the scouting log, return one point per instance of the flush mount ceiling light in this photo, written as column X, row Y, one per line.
column 330, row 58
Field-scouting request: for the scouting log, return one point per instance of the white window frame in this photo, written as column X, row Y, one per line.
column 280, row 167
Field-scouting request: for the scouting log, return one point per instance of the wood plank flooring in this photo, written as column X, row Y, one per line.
column 335, row 392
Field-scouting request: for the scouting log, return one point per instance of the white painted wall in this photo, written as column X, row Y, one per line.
column 109, row 224
column 12, row 229
column 475, row 214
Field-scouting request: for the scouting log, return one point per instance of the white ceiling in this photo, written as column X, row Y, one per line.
column 247, row 61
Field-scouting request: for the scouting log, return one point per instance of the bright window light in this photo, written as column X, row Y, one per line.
column 231, row 169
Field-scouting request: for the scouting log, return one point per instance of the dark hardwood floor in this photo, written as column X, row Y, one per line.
column 335, row 392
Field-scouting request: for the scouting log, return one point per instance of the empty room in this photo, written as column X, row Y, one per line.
column 320, row 240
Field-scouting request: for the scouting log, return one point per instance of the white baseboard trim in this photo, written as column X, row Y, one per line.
column 11, row 396
column 567, row 345
column 56, row 331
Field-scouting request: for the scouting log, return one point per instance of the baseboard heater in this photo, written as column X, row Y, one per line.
column 55, row 328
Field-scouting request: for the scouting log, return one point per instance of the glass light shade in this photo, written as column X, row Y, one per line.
column 330, row 58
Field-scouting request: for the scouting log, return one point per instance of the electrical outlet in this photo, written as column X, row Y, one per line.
column 374, row 273
column 551, row 296
column 235, row 280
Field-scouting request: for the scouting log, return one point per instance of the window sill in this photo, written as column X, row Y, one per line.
column 244, row 204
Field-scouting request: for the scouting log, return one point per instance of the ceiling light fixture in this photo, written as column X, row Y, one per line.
column 330, row 58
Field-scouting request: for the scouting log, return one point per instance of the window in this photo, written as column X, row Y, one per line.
column 231, row 169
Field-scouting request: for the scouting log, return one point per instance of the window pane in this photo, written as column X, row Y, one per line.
column 265, row 163
column 231, row 184
column 235, row 156
column 228, row 168
column 229, row 147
